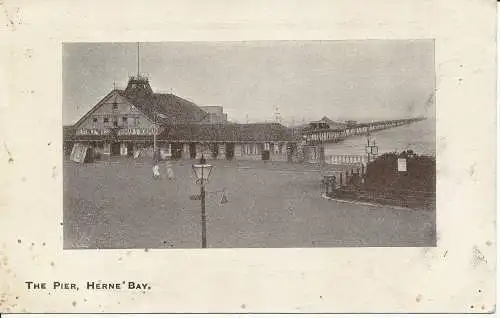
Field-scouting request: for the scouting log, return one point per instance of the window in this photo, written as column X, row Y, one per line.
column 115, row 105
column 124, row 119
column 115, row 122
column 94, row 119
column 106, row 120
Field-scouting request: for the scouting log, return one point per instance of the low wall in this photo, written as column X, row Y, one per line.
column 248, row 157
column 278, row 157
column 406, row 199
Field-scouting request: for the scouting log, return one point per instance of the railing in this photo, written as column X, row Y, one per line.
column 346, row 159
column 93, row 131
column 119, row 132
column 136, row 131
column 333, row 135
column 139, row 78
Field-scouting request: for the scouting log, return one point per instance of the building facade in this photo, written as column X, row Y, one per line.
column 131, row 121
column 216, row 114
column 260, row 141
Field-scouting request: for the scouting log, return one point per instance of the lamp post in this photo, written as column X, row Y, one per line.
column 154, row 133
column 371, row 147
column 202, row 172
column 157, row 116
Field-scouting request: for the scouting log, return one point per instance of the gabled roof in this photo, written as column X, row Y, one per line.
column 175, row 110
column 99, row 104
column 260, row 132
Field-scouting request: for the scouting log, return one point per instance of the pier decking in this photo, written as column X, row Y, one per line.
column 320, row 136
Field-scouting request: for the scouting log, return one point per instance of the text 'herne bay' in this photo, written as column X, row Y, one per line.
column 117, row 286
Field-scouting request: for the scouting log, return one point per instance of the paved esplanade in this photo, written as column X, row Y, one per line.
column 120, row 205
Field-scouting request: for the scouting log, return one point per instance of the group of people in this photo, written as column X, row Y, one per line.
column 156, row 167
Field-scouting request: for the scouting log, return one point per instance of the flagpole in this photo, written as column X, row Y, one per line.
column 138, row 60
column 154, row 135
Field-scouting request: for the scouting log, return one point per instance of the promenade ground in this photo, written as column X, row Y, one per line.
column 117, row 204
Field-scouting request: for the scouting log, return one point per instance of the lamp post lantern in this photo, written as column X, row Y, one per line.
column 371, row 147
column 202, row 172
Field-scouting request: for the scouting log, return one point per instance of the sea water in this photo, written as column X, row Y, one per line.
column 419, row 137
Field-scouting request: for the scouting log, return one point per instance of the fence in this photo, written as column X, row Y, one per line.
column 346, row 159
column 382, row 184
column 345, row 176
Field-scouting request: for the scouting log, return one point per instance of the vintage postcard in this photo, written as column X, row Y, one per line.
column 235, row 157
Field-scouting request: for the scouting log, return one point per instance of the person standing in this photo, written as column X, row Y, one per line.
column 170, row 171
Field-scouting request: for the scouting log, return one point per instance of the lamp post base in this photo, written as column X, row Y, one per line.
column 203, row 219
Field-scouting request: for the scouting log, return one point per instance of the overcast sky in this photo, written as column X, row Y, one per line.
column 358, row 80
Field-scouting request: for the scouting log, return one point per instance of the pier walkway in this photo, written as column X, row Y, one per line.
column 314, row 136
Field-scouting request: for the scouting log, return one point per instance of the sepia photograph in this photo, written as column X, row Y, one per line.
column 250, row 144
column 237, row 157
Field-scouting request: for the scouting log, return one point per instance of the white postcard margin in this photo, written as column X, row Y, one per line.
column 456, row 276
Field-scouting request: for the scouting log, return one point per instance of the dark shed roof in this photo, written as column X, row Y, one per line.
column 260, row 132
column 175, row 110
